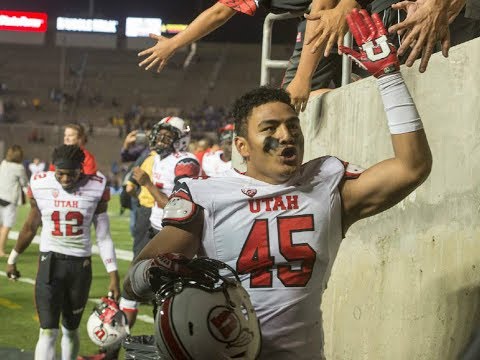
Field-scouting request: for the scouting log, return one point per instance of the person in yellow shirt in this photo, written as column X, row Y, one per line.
column 145, row 200
column 141, row 186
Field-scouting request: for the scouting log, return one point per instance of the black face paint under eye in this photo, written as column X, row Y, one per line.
column 270, row 144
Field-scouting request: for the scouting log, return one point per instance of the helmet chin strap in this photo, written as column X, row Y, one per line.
column 165, row 152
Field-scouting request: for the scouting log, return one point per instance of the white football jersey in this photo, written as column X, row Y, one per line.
column 282, row 240
column 67, row 217
column 213, row 165
column 164, row 173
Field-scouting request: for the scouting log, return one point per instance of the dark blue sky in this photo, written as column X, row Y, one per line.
column 241, row 28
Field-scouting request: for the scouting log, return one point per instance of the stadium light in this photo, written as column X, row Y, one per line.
column 87, row 25
column 23, row 21
column 141, row 27
column 173, row 28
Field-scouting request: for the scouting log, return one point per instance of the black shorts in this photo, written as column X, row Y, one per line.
column 329, row 69
column 62, row 287
column 463, row 29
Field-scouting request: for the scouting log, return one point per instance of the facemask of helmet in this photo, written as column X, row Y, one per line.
column 178, row 127
column 206, row 317
column 107, row 325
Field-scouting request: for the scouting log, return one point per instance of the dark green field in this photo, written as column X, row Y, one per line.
column 17, row 310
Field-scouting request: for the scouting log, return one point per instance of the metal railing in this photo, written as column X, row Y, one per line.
column 267, row 63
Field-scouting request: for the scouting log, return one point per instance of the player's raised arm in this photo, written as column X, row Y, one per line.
column 106, row 247
column 388, row 182
column 209, row 20
column 28, row 232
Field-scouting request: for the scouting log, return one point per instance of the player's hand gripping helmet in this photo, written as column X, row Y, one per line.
column 178, row 127
column 107, row 325
column 206, row 316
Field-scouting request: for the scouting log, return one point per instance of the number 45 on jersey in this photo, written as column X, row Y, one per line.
column 256, row 259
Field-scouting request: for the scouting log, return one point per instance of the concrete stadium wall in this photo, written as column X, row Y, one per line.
column 406, row 283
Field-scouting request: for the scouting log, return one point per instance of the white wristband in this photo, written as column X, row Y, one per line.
column 402, row 114
column 12, row 258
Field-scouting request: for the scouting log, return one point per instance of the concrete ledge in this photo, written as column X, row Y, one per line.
column 406, row 283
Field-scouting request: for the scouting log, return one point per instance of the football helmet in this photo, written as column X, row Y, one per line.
column 206, row 315
column 226, row 133
column 107, row 325
column 178, row 127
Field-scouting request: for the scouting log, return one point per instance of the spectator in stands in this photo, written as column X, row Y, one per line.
column 36, row 104
column 13, row 179
column 298, row 78
column 75, row 135
column 453, row 24
column 464, row 27
column 426, row 24
column 35, row 137
column 36, row 166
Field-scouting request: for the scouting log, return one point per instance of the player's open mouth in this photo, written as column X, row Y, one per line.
column 289, row 154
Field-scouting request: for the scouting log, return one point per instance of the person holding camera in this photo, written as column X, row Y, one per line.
column 134, row 146
column 135, row 149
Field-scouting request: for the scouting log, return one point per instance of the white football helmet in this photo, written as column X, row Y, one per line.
column 107, row 325
column 182, row 131
column 207, row 316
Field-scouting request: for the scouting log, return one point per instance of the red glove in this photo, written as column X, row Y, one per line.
column 376, row 55
column 108, row 308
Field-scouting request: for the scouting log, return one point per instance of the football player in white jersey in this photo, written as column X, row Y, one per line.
column 167, row 170
column 65, row 202
column 217, row 162
column 280, row 223
column 169, row 138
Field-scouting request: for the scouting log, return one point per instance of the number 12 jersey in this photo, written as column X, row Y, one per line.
column 67, row 216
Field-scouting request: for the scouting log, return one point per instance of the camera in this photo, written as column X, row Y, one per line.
column 141, row 138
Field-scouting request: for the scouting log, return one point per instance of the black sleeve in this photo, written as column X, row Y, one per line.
column 364, row 3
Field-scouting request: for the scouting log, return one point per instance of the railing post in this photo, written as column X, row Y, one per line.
column 346, row 61
column 267, row 63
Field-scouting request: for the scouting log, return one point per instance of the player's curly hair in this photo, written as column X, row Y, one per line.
column 243, row 106
column 72, row 153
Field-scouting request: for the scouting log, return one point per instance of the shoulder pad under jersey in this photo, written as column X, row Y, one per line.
column 352, row 171
column 180, row 208
column 187, row 167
